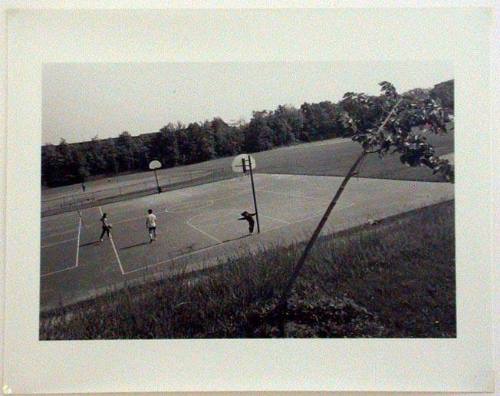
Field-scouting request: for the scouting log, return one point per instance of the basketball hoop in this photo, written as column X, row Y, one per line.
column 241, row 163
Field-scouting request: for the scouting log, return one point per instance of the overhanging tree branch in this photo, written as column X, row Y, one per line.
column 300, row 264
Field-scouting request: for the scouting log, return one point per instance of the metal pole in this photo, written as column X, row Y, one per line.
column 253, row 192
column 157, row 183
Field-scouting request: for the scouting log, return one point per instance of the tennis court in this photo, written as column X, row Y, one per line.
column 198, row 226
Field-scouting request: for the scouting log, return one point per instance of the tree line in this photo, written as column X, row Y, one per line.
column 179, row 144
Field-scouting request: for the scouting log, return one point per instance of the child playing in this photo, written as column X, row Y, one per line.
column 151, row 225
column 248, row 217
column 106, row 226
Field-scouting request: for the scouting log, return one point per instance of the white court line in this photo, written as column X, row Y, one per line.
column 206, row 248
column 293, row 196
column 77, row 252
column 129, row 220
column 53, row 234
column 114, row 247
column 211, row 202
column 188, row 209
column 233, row 195
column 227, row 196
column 244, row 193
column 134, row 218
column 188, row 222
column 275, row 219
column 57, row 243
column 310, row 217
column 220, row 223
column 171, row 259
column 214, row 246
column 50, row 235
column 78, row 240
column 203, row 232
column 57, row 227
column 317, row 214
column 56, row 272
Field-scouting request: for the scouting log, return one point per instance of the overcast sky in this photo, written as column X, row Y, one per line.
column 81, row 101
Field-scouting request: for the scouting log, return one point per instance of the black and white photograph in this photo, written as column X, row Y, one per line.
column 247, row 200
column 249, row 196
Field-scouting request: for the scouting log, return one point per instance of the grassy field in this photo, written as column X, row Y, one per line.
column 335, row 160
column 392, row 279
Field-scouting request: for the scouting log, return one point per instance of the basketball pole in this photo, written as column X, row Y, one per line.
column 253, row 193
column 157, row 183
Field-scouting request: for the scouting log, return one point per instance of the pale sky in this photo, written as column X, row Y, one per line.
column 84, row 100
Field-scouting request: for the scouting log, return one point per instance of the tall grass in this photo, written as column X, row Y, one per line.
column 393, row 279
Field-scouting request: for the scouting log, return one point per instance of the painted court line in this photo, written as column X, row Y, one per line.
column 171, row 259
column 211, row 201
column 214, row 246
column 293, row 196
column 58, row 234
column 204, row 205
column 218, row 223
column 285, row 224
column 57, row 243
column 57, row 229
column 156, row 209
column 309, row 217
column 78, row 240
column 275, row 219
column 203, row 232
column 59, row 225
column 77, row 253
column 131, row 219
column 114, row 248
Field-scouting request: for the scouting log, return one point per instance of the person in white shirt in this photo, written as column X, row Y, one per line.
column 151, row 225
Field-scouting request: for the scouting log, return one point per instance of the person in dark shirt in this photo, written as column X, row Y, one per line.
column 248, row 217
column 106, row 226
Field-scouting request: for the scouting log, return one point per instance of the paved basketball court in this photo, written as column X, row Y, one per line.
column 199, row 226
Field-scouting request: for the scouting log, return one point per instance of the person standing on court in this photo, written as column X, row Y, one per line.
column 151, row 225
column 106, row 226
column 248, row 217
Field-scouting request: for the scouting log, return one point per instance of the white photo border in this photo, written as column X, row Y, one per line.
column 38, row 37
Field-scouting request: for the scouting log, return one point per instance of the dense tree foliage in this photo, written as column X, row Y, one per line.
column 408, row 118
column 180, row 144
column 445, row 93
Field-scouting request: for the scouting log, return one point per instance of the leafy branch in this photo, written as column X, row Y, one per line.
column 415, row 112
column 390, row 131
